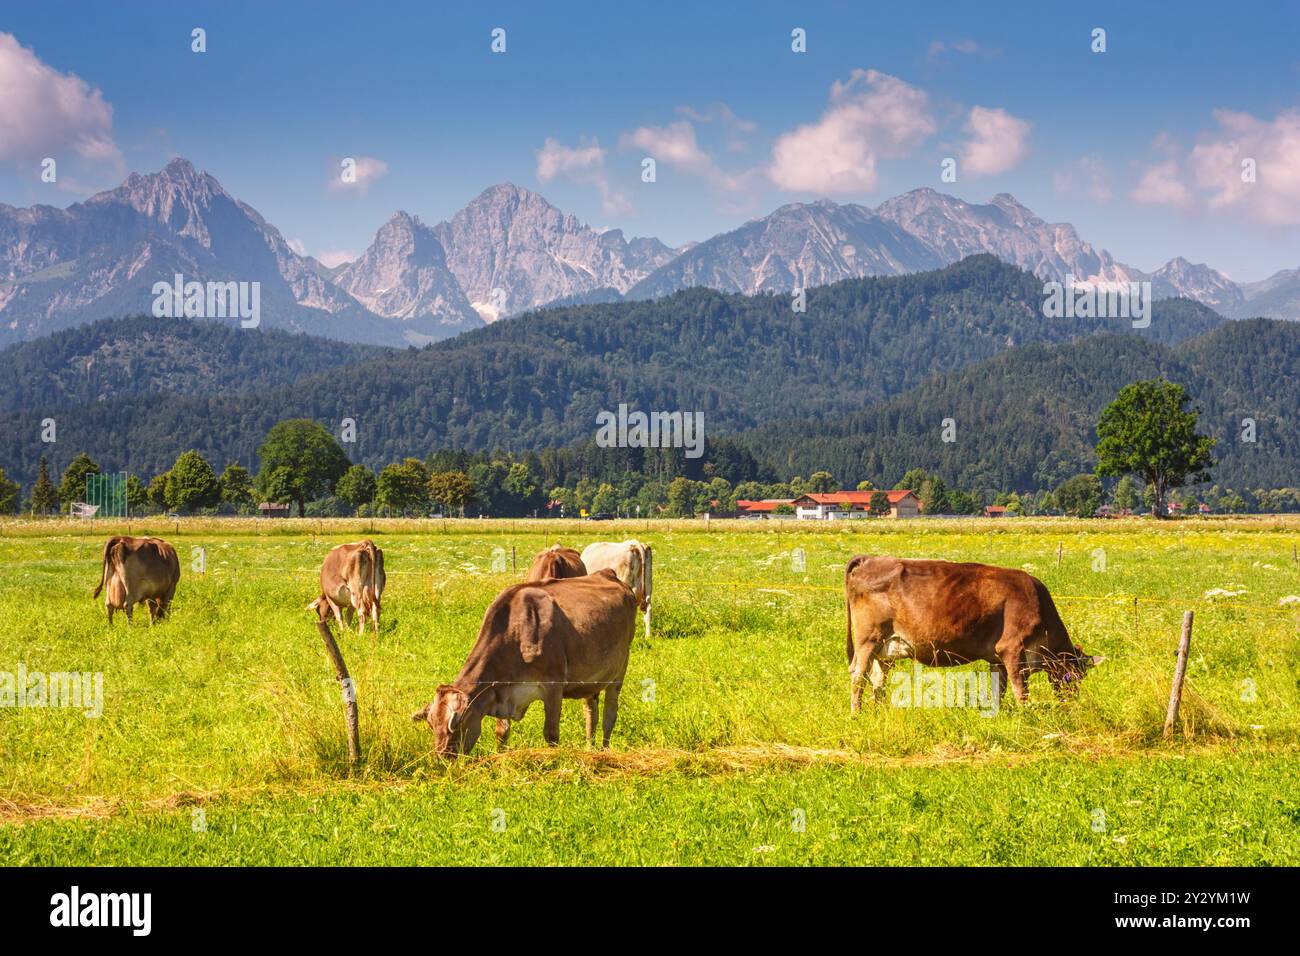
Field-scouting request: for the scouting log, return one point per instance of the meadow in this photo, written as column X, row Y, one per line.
column 221, row 739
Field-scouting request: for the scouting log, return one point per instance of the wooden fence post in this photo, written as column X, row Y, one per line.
column 1058, row 555
column 349, row 692
column 1180, row 671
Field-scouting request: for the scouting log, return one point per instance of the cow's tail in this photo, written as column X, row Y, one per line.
column 110, row 562
column 370, row 586
column 848, row 603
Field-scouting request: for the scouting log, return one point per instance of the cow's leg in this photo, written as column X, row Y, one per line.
column 647, row 622
column 151, row 606
column 374, row 614
column 863, row 659
column 999, row 671
column 109, row 608
column 879, row 673
column 1012, row 654
column 611, row 712
column 349, row 615
column 592, row 707
column 503, row 732
column 128, row 609
column 552, row 701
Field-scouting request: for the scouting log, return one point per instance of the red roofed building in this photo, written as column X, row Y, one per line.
column 759, row 508
column 995, row 511
column 837, row 505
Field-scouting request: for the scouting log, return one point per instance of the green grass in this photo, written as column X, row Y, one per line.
column 736, row 710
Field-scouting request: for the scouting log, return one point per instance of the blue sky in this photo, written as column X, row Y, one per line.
column 1137, row 146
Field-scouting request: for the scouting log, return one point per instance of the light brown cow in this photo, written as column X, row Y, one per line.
column 351, row 580
column 943, row 614
column 135, row 570
column 556, row 562
column 567, row 637
column 631, row 561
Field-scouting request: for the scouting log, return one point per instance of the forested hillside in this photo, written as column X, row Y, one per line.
column 1027, row 418
column 142, row 355
column 539, row 380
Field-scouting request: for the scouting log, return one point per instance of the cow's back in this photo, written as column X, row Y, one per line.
column 150, row 568
column 574, row 630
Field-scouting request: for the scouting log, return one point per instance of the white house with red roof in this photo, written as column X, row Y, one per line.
column 838, row 505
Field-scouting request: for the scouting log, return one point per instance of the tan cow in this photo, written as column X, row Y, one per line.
column 556, row 562
column 566, row 637
column 135, row 570
column 945, row 614
column 351, row 580
column 631, row 561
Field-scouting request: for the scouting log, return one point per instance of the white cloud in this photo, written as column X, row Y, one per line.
column 675, row 145
column 335, row 257
column 1216, row 166
column 584, row 163
column 297, row 245
column 44, row 112
column 1211, row 175
column 871, row 115
column 998, row 142
column 1162, row 184
column 964, row 46
column 1087, row 174
column 737, row 128
column 368, row 170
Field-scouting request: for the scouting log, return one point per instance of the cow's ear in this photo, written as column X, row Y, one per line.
column 1096, row 659
column 422, row 714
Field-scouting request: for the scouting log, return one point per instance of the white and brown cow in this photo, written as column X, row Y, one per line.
column 135, row 570
column 547, row 640
column 631, row 561
column 351, row 581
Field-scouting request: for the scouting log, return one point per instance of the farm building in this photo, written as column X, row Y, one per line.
column 837, row 505
column 995, row 511
column 273, row 509
column 760, row 509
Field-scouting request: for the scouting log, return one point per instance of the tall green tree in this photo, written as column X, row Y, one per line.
column 72, row 487
column 137, row 494
column 45, row 498
column 1149, row 431
column 9, row 494
column 191, row 483
column 879, row 506
column 455, row 491
column 1126, row 494
column 403, row 487
column 357, row 486
column 236, row 485
column 301, row 460
column 1079, row 496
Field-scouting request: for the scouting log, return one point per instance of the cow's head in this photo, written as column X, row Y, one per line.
column 1068, row 668
column 447, row 716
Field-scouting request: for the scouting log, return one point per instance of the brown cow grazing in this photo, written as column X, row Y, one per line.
column 556, row 562
column 351, row 580
column 632, row 561
column 546, row 641
column 135, row 570
column 943, row 614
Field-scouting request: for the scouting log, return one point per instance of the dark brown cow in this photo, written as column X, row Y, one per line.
column 135, row 570
column 351, row 580
column 546, row 641
column 556, row 562
column 944, row 614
